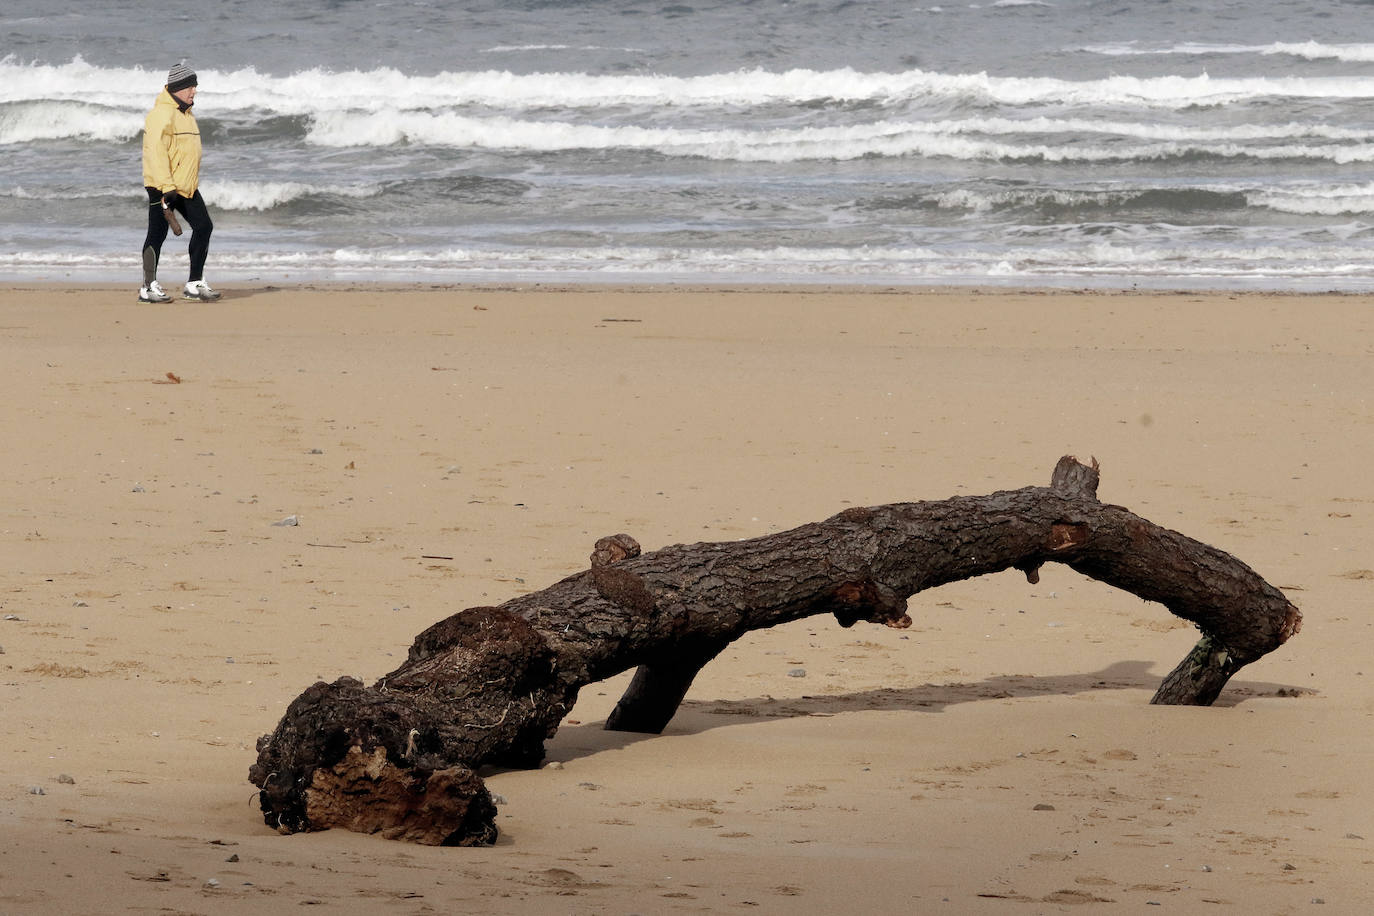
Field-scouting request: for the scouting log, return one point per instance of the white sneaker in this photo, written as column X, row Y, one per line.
column 199, row 289
column 153, row 292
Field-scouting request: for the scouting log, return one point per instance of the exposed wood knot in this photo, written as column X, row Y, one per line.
column 613, row 549
column 1073, row 478
column 856, row 514
column 867, row 600
column 1064, row 535
column 622, row 587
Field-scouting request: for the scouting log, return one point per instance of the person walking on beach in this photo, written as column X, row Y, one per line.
column 171, row 176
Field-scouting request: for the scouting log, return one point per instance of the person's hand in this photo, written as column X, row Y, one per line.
column 170, row 199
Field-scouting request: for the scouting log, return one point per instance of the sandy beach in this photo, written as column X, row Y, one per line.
column 442, row 448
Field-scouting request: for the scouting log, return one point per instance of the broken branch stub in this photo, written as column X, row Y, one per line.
column 489, row 685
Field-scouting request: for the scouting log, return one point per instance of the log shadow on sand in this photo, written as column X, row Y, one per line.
column 696, row 716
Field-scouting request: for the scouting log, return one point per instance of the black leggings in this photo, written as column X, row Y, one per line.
column 193, row 208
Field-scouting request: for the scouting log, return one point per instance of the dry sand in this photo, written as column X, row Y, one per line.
column 444, row 448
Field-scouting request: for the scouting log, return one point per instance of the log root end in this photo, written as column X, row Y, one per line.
column 366, row 793
column 1292, row 624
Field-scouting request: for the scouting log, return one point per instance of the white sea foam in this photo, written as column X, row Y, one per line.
column 1308, row 50
column 1334, row 200
column 76, row 191
column 25, row 122
column 264, row 195
column 386, row 89
column 951, row 139
column 362, row 126
column 1150, row 130
column 221, row 194
column 983, row 201
column 1339, row 200
column 1238, row 264
column 78, row 80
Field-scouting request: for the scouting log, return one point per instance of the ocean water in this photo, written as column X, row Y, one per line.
column 1093, row 143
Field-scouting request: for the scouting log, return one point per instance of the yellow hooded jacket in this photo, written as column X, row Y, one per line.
column 171, row 148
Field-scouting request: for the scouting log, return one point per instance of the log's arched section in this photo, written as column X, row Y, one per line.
column 489, row 685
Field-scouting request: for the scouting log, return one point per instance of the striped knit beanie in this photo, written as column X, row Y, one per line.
column 180, row 77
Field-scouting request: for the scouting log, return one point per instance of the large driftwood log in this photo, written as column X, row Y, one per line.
column 489, row 685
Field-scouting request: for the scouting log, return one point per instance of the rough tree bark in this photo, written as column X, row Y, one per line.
column 489, row 685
